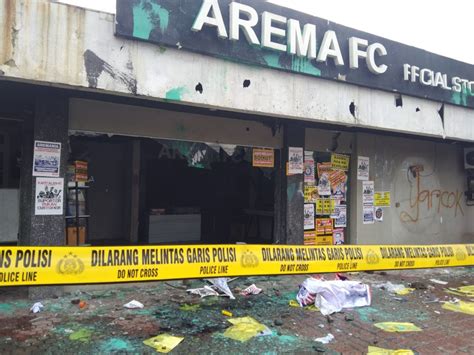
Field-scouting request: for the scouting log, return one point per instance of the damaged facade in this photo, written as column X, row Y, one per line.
column 171, row 133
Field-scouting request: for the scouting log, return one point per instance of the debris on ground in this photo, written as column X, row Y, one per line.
column 460, row 306
column 467, row 291
column 37, row 307
column 203, row 291
column 82, row 304
column 418, row 285
column 439, row 282
column 163, row 343
column 333, row 296
column 397, row 327
column 251, row 290
column 373, row 350
column 134, row 305
column 244, row 329
column 221, row 284
column 325, row 340
column 226, row 313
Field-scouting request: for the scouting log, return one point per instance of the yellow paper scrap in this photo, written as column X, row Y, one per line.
column 467, row 291
column 405, row 291
column 373, row 350
column 397, row 327
column 163, row 343
column 295, row 304
column 461, row 306
column 244, row 328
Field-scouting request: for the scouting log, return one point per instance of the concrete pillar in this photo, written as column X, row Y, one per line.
column 50, row 123
column 292, row 194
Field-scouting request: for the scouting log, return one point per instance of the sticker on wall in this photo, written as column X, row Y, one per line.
column 295, row 160
column 368, row 215
column 309, row 173
column 49, row 194
column 310, row 194
column 308, row 216
column 323, row 168
column 340, row 161
column 46, row 159
column 324, row 185
column 338, row 236
column 263, row 158
column 379, row 214
column 382, row 199
column 368, row 193
column 340, row 216
column 363, row 166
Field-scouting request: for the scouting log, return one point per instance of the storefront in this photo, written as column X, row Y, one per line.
column 198, row 126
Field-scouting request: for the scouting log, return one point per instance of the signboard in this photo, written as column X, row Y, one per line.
column 49, row 196
column 382, row 199
column 46, row 158
column 340, row 161
column 261, row 33
column 263, row 158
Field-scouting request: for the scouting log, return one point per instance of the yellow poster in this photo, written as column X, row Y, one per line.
column 382, row 199
column 263, row 158
column 310, row 238
column 340, row 161
column 310, row 194
column 88, row 265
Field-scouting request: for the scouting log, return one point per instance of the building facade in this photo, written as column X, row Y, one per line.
column 225, row 122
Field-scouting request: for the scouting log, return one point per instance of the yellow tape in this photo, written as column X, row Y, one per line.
column 82, row 265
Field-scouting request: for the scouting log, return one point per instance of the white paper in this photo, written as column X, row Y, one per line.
column 46, row 158
column 324, row 185
column 309, row 177
column 37, row 307
column 308, row 216
column 368, row 215
column 49, row 195
column 379, row 214
column 340, row 220
column 363, row 167
column 134, row 305
column 295, row 160
column 368, row 193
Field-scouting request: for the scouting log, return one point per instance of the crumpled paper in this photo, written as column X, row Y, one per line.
column 325, row 340
column 37, row 307
column 251, row 290
column 134, row 305
column 163, row 343
column 203, row 291
column 221, row 284
column 244, row 328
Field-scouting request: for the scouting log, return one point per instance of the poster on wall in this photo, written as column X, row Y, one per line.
column 46, row 158
column 379, row 214
column 363, row 166
column 323, row 168
column 295, row 160
column 340, row 216
column 308, row 216
column 49, row 196
column 338, row 236
column 324, row 185
column 309, row 174
column 368, row 214
column 340, row 161
column 368, row 193
column 309, row 238
column 310, row 194
column 263, row 158
column 382, row 198
column 324, row 226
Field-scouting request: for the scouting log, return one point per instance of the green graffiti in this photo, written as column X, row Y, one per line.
column 460, row 98
column 175, row 94
column 145, row 14
column 273, row 60
column 303, row 65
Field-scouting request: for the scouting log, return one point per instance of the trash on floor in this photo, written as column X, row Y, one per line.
column 390, row 287
column 82, row 335
column 134, row 305
column 325, row 340
column 82, row 304
column 466, row 291
column 163, row 343
column 373, row 350
column 397, row 327
column 439, row 282
column 244, row 328
column 460, row 306
column 226, row 313
column 333, row 296
column 405, row 291
column 251, row 290
column 221, row 284
column 311, row 307
column 190, row 307
column 203, row 291
column 37, row 307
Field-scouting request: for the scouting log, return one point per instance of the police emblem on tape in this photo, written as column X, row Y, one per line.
column 460, row 254
column 372, row 257
column 70, row 265
column 249, row 259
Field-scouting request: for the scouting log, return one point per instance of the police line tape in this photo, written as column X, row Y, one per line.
column 86, row 265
